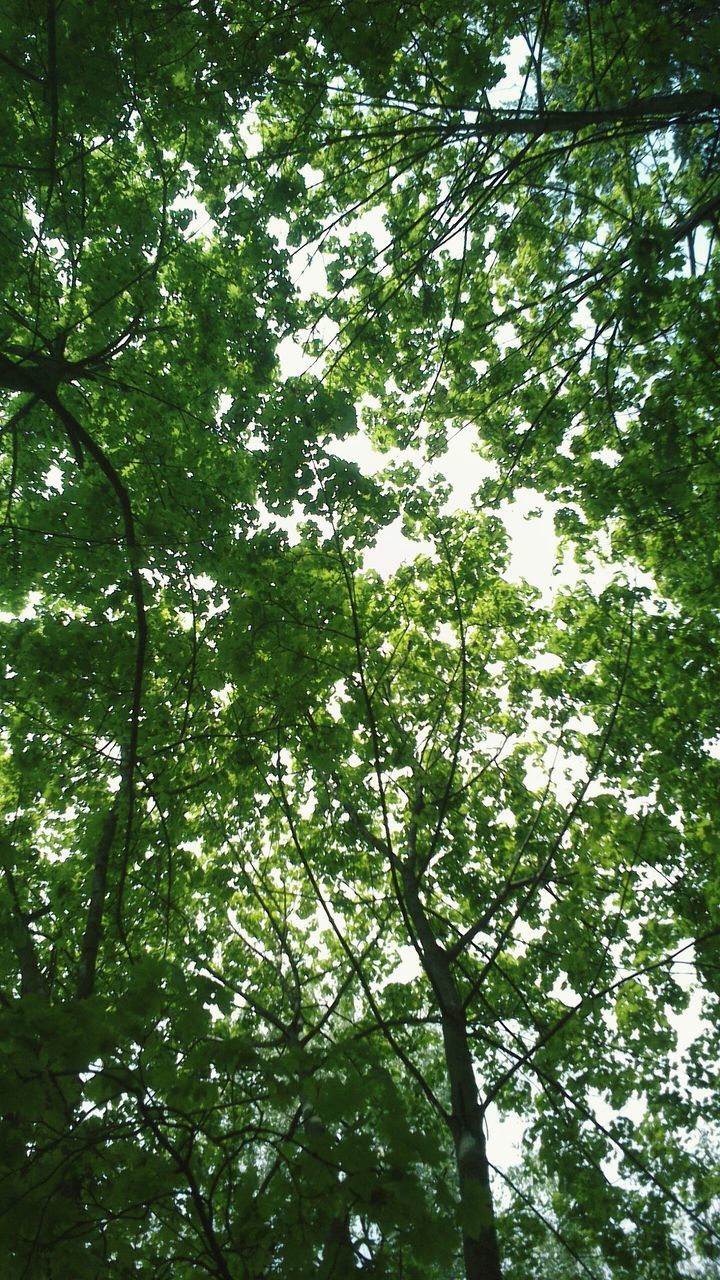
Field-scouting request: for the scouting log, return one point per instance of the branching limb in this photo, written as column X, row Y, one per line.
column 141, row 630
column 559, row 1235
column 569, row 819
column 584, row 1003
column 349, row 952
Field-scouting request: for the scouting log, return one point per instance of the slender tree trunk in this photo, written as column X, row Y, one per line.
column 480, row 1245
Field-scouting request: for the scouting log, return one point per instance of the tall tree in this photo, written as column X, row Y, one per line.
column 542, row 262
column 243, row 778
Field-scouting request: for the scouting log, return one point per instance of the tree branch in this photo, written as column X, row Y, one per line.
column 93, row 927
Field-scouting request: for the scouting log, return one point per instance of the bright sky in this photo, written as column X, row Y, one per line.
column 534, row 553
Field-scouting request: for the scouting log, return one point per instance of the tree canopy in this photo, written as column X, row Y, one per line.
column 315, row 880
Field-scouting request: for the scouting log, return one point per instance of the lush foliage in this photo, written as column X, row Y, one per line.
column 311, row 876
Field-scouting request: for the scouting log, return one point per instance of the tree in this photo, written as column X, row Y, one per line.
column 242, row 775
column 545, row 268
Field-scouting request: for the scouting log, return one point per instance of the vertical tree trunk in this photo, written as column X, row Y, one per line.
column 480, row 1245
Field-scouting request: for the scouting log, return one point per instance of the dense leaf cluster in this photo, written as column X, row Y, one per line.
column 311, row 877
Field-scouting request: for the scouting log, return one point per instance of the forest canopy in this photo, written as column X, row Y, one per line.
column 319, row 876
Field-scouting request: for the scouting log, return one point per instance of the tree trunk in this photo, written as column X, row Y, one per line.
column 480, row 1246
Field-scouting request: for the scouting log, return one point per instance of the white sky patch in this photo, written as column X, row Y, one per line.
column 249, row 133
column 505, row 93
column 463, row 468
column 533, row 544
column 290, row 525
column 409, row 968
column 393, row 549
column 308, row 273
column 455, row 247
column 53, row 479
column 278, row 229
column 311, row 177
column 505, row 1137
column 294, row 362
column 201, row 224
column 29, row 609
